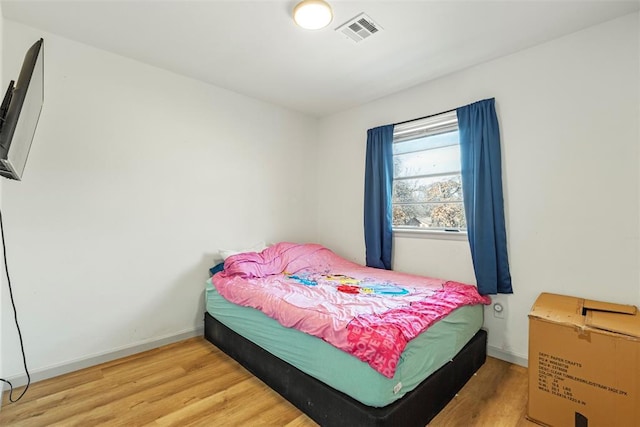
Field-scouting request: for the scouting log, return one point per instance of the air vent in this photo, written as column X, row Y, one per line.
column 359, row 28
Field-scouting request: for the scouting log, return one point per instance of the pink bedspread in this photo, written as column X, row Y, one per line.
column 369, row 313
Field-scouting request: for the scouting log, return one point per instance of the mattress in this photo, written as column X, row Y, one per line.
column 423, row 355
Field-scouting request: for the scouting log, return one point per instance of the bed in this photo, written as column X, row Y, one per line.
column 330, row 373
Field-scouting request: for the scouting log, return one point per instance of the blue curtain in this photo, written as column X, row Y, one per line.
column 482, row 191
column 378, row 179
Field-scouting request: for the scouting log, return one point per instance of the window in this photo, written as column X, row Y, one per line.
column 427, row 185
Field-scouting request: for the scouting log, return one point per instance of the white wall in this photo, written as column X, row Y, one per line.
column 2, row 279
column 569, row 116
column 135, row 178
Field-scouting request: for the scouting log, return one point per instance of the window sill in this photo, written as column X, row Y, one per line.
column 430, row 234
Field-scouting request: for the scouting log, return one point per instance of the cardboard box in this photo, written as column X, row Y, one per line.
column 584, row 363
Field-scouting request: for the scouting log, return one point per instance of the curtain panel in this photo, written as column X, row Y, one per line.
column 377, row 197
column 483, row 199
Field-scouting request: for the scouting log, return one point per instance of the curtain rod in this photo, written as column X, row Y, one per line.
column 425, row 117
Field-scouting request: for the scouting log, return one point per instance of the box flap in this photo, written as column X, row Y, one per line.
column 626, row 324
column 607, row 306
column 558, row 308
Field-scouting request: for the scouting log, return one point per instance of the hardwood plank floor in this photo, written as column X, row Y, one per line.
column 192, row 383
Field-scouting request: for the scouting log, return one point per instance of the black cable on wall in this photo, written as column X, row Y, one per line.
column 15, row 316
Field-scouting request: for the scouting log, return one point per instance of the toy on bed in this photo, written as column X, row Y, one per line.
column 373, row 315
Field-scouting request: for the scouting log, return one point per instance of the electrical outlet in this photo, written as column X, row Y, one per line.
column 498, row 310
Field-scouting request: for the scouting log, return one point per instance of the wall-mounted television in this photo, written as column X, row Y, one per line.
column 19, row 113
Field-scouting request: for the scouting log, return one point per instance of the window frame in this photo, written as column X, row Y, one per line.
column 429, row 126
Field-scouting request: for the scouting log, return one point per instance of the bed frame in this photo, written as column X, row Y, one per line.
column 329, row 407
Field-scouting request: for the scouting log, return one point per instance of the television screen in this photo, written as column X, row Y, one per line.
column 20, row 112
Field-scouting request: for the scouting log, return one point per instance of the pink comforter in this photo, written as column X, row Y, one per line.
column 369, row 313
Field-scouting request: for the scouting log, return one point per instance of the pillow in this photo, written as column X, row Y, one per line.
column 226, row 253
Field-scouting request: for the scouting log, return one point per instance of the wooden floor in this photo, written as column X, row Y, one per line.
column 192, row 383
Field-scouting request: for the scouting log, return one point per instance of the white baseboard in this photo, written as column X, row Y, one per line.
column 507, row 356
column 85, row 362
column 1, row 394
column 76, row 365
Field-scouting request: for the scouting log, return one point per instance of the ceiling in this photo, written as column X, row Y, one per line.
column 254, row 48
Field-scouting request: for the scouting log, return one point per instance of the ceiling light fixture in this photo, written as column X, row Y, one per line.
column 312, row 14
